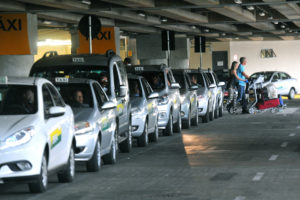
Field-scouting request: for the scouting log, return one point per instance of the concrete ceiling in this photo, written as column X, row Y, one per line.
column 218, row 20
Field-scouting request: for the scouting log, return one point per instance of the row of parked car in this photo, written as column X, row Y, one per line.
column 87, row 108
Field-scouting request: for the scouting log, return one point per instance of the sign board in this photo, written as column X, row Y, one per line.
column 104, row 41
column 14, row 34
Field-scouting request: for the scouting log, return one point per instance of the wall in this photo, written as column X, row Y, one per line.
column 287, row 56
column 207, row 56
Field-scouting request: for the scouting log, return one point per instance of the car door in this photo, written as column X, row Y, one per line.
column 151, row 104
column 56, row 128
column 175, row 95
column 104, row 117
column 287, row 83
column 192, row 93
column 121, row 101
column 275, row 79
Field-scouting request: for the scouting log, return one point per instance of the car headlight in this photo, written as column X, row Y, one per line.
column 137, row 111
column 163, row 100
column 83, row 128
column 18, row 138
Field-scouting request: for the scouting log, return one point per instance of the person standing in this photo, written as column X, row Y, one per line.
column 242, row 84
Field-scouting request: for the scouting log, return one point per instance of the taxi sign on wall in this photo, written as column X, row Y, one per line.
column 14, row 34
column 104, row 41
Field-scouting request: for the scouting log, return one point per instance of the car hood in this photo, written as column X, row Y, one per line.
column 10, row 124
column 136, row 102
column 83, row 114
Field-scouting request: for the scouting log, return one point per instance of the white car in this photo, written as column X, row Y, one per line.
column 95, row 120
column 284, row 83
column 36, row 133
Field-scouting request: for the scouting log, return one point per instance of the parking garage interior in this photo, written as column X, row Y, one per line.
column 239, row 157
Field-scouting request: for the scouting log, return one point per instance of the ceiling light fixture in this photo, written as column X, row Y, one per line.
column 282, row 26
column 290, row 31
column 223, row 34
column 237, row 38
column 163, row 19
column 86, row 2
column 275, row 22
column 250, row 7
column 206, row 30
column 142, row 14
column 238, row 1
column 193, row 27
column 262, row 14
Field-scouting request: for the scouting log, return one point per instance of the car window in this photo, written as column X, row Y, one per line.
column 100, row 96
column 216, row 78
column 47, row 99
column 207, row 79
column 210, row 78
column 179, row 78
column 147, row 87
column 123, row 73
column 117, row 80
column 284, row 76
column 188, row 80
column 76, row 94
column 135, row 89
column 56, row 96
column 275, row 77
column 155, row 79
column 26, row 103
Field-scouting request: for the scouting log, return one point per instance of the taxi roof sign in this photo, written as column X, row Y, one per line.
column 61, row 80
column 3, row 79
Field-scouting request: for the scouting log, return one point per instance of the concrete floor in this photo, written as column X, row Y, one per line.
column 235, row 157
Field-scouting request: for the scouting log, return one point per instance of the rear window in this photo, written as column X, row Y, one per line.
column 71, row 93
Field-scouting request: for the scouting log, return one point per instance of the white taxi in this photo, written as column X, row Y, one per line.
column 36, row 133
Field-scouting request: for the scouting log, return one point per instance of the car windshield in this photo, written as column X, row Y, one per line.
column 134, row 88
column 267, row 75
column 210, row 77
column 76, row 95
column 98, row 73
column 155, row 79
column 18, row 99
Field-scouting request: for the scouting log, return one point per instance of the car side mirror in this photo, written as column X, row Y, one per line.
column 56, row 111
column 153, row 95
column 194, row 87
column 175, row 86
column 221, row 84
column 108, row 105
column 123, row 90
column 212, row 85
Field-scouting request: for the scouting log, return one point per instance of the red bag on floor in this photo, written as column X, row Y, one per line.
column 268, row 104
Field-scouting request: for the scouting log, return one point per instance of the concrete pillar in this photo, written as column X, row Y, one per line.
column 20, row 65
column 149, row 51
column 132, row 47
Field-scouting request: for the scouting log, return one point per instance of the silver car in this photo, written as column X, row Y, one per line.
column 143, row 109
column 284, row 83
column 188, row 98
column 204, row 94
column 161, row 79
column 217, row 93
column 95, row 120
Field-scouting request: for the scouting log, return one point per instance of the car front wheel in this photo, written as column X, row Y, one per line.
column 41, row 183
column 94, row 164
column 292, row 93
column 68, row 174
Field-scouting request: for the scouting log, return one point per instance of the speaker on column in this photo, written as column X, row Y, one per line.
column 164, row 40
column 202, row 42
column 172, row 40
column 197, row 44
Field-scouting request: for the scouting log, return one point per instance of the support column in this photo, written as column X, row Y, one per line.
column 149, row 51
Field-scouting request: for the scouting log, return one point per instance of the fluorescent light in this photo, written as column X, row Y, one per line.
column 250, row 7
column 206, row 30
column 238, row 1
column 87, row 2
column 262, row 14
column 193, row 27
column 282, row 26
column 163, row 19
column 142, row 14
column 223, row 34
column 275, row 22
column 50, row 42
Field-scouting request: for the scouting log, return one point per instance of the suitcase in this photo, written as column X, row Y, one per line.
column 268, row 104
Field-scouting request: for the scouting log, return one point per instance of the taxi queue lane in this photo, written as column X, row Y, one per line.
column 237, row 157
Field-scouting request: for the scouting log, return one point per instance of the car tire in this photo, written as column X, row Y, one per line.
column 221, row 110
column 187, row 123
column 292, row 93
column 111, row 158
column 195, row 120
column 178, row 124
column 216, row 112
column 143, row 140
column 126, row 145
column 169, row 128
column 67, row 175
column 211, row 115
column 153, row 137
column 41, row 182
column 94, row 164
column 205, row 118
